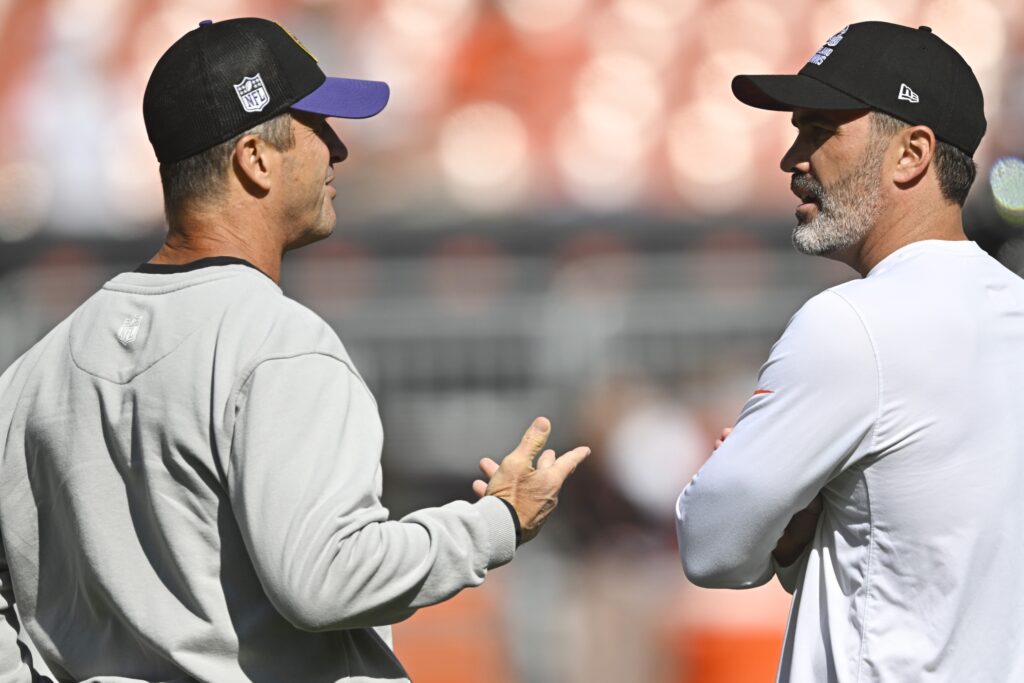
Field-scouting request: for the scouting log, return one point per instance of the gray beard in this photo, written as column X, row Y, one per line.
column 846, row 211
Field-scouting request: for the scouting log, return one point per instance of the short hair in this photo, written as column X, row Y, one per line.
column 200, row 178
column 954, row 169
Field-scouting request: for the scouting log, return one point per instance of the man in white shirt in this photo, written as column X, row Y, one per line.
column 190, row 481
column 877, row 470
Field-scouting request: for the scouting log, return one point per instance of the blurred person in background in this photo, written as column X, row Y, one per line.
column 190, row 481
column 877, row 468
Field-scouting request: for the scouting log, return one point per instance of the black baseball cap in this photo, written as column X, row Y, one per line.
column 222, row 78
column 909, row 73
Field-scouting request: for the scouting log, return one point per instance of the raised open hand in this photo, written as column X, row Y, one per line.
column 532, row 490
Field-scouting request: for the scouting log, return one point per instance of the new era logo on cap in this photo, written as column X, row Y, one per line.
column 907, row 94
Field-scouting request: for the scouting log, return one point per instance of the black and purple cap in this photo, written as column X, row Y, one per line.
column 222, row 78
column 909, row 73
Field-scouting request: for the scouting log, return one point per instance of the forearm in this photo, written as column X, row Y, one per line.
column 305, row 484
column 367, row 571
column 723, row 539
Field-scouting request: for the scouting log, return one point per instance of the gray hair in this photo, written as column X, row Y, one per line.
column 201, row 177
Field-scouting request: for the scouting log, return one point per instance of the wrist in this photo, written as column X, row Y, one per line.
column 515, row 520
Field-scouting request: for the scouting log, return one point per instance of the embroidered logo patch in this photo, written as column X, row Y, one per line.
column 129, row 330
column 828, row 48
column 907, row 94
column 252, row 93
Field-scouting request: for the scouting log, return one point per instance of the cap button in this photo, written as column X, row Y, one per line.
column 206, row 22
column 926, row 29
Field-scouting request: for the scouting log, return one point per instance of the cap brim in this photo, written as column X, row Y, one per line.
column 346, row 98
column 794, row 91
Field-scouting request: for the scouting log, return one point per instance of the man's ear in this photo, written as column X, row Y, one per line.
column 916, row 149
column 254, row 162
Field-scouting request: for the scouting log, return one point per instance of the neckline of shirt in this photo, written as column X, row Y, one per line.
column 170, row 268
column 965, row 247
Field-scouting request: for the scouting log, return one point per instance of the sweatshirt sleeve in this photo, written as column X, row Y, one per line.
column 15, row 659
column 811, row 417
column 304, row 481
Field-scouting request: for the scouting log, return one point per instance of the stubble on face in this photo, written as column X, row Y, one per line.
column 847, row 210
column 310, row 215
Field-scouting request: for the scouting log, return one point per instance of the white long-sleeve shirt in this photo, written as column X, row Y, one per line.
column 898, row 397
column 190, row 490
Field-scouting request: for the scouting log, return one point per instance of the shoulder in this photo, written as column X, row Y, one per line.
column 827, row 337
column 294, row 328
column 828, row 315
column 259, row 316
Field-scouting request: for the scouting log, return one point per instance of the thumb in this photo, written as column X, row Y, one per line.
column 533, row 440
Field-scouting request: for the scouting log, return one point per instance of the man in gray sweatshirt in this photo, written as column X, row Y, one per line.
column 190, row 468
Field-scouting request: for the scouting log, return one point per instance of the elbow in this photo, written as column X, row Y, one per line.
column 710, row 561
column 317, row 615
column 711, row 573
column 703, row 566
column 305, row 614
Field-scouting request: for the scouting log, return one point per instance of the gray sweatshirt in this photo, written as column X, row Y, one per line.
column 190, row 490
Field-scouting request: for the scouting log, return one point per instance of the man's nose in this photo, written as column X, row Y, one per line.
column 794, row 160
column 335, row 146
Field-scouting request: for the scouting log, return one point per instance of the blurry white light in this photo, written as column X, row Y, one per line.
column 831, row 17
column 132, row 179
column 657, row 15
column 609, row 32
column 428, row 19
column 976, row 29
column 483, row 152
column 25, row 194
column 84, row 20
column 746, row 25
column 620, row 95
column 1007, row 181
column 600, row 172
column 711, row 149
column 538, row 16
column 653, row 451
column 413, row 69
column 713, row 76
column 157, row 32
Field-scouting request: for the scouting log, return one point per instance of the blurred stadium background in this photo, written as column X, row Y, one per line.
column 563, row 211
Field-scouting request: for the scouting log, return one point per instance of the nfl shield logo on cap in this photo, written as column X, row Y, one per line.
column 252, row 93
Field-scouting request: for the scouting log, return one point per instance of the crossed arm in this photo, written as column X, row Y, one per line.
column 754, row 505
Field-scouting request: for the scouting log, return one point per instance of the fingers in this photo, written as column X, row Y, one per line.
column 480, row 487
column 546, row 459
column 488, row 467
column 721, row 439
column 566, row 464
column 533, row 440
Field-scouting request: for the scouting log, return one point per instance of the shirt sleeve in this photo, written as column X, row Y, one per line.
column 811, row 417
column 15, row 659
column 304, row 481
